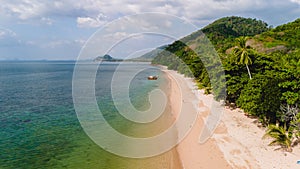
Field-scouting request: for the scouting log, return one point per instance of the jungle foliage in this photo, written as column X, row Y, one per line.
column 258, row 81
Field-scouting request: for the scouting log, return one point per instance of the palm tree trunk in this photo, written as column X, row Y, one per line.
column 248, row 71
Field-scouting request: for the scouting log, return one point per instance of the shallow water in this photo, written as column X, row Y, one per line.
column 38, row 124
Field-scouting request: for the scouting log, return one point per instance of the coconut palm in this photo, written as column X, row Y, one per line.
column 280, row 136
column 242, row 53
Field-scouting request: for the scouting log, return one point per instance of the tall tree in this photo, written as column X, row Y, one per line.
column 242, row 53
column 261, row 97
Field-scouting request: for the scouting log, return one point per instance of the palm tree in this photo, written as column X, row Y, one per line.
column 242, row 53
column 280, row 136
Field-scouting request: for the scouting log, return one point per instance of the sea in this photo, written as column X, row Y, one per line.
column 39, row 127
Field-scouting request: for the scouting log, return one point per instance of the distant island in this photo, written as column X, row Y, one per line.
column 147, row 57
column 107, row 58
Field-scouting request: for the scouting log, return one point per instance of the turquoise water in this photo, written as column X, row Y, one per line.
column 38, row 124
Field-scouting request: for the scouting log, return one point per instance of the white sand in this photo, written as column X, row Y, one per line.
column 243, row 145
column 193, row 155
column 237, row 139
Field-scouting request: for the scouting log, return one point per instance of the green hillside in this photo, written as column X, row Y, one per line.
column 262, row 67
column 287, row 35
column 223, row 31
column 221, row 34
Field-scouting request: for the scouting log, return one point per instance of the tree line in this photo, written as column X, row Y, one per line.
column 264, row 84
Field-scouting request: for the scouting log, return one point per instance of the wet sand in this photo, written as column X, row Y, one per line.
column 193, row 155
column 166, row 160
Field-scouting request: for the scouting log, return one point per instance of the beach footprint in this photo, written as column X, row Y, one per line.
column 237, row 155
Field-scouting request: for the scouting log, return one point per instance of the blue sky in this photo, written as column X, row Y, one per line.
column 57, row 30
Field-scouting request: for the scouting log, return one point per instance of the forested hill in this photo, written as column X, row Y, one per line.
column 221, row 33
column 261, row 65
column 234, row 27
column 287, row 35
column 224, row 30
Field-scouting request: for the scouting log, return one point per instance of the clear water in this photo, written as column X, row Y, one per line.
column 38, row 124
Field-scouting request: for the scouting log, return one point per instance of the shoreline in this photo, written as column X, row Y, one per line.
column 236, row 143
column 192, row 154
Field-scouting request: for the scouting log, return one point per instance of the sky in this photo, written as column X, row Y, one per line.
column 58, row 30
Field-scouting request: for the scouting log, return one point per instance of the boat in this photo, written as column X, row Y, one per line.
column 152, row 77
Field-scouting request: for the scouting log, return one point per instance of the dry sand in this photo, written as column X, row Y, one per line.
column 236, row 143
column 192, row 154
column 243, row 145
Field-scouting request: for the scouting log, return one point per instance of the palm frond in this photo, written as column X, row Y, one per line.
column 279, row 135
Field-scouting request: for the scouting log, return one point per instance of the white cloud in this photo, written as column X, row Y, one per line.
column 296, row 1
column 168, row 24
column 80, row 42
column 47, row 21
column 24, row 9
column 61, row 15
column 89, row 13
column 7, row 33
column 198, row 10
column 87, row 22
column 91, row 22
column 119, row 35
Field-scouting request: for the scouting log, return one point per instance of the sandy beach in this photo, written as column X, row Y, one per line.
column 192, row 154
column 237, row 141
column 243, row 146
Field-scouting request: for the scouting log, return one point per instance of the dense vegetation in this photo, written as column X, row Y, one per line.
column 287, row 35
column 261, row 65
column 225, row 30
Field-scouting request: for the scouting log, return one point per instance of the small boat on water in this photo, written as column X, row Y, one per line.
column 152, row 77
